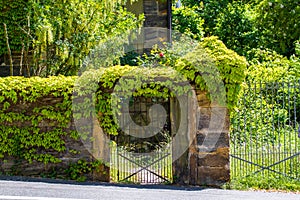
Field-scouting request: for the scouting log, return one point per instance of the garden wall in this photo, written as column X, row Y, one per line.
column 37, row 132
column 38, row 136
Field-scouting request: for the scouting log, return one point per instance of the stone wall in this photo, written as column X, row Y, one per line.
column 17, row 166
column 156, row 23
column 205, row 162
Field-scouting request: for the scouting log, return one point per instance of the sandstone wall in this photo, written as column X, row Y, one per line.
column 74, row 149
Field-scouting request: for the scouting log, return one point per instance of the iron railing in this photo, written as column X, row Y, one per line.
column 265, row 132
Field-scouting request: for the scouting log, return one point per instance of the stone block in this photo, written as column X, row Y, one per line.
column 209, row 142
column 213, row 176
column 203, row 100
column 219, row 158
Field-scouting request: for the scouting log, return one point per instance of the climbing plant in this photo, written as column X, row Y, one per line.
column 23, row 110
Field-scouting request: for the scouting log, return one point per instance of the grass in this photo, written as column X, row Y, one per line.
column 261, row 182
column 266, row 166
column 256, row 176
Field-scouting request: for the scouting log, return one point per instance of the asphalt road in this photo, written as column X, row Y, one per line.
column 20, row 190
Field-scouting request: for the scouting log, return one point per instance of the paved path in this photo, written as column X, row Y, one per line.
column 20, row 190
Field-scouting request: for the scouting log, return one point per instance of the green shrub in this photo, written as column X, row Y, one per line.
column 267, row 65
column 230, row 65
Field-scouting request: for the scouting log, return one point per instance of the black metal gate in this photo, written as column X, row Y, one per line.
column 141, row 159
column 265, row 135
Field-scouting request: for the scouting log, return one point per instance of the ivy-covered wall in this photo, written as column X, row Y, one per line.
column 37, row 130
column 37, row 133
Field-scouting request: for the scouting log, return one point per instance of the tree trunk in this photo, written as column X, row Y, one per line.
column 11, row 69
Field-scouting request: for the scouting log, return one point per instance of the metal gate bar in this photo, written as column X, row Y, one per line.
column 145, row 167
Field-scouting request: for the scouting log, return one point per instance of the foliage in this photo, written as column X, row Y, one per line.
column 186, row 20
column 231, row 21
column 231, row 67
column 267, row 65
column 14, row 13
column 268, row 96
column 21, row 132
column 129, row 58
column 210, row 10
column 294, row 70
column 260, row 182
column 278, row 20
column 216, row 66
column 242, row 35
column 68, row 31
column 61, row 33
column 243, row 25
column 79, row 171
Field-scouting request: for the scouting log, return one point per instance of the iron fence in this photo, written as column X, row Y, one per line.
column 265, row 132
column 135, row 157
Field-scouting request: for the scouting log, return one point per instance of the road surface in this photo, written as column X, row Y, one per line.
column 20, row 190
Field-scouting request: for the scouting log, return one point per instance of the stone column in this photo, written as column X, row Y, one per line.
column 206, row 161
column 100, row 151
column 209, row 152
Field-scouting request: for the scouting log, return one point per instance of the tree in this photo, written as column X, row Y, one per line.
column 236, row 28
column 188, row 21
column 63, row 32
column 279, row 22
column 66, row 31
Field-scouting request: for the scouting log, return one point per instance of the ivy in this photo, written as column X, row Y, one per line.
column 77, row 171
column 230, row 65
column 26, row 103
